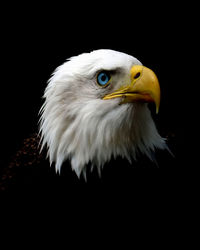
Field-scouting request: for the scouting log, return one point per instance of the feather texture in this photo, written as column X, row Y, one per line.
column 76, row 124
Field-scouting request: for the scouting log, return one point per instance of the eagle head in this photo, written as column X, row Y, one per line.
column 96, row 108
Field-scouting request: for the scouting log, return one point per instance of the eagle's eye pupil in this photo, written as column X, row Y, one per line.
column 103, row 78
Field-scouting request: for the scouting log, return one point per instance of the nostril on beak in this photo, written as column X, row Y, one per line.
column 137, row 75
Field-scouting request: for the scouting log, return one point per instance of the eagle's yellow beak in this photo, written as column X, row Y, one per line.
column 143, row 87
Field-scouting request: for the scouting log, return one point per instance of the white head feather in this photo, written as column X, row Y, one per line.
column 77, row 124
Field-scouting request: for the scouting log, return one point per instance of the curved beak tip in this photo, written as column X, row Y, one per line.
column 157, row 109
column 147, row 83
column 144, row 87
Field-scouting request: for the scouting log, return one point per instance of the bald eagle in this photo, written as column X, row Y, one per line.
column 96, row 108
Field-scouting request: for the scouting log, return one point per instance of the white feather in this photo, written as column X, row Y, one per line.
column 76, row 124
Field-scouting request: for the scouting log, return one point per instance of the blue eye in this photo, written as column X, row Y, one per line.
column 103, row 78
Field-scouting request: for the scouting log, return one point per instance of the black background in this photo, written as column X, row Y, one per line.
column 147, row 205
column 36, row 39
